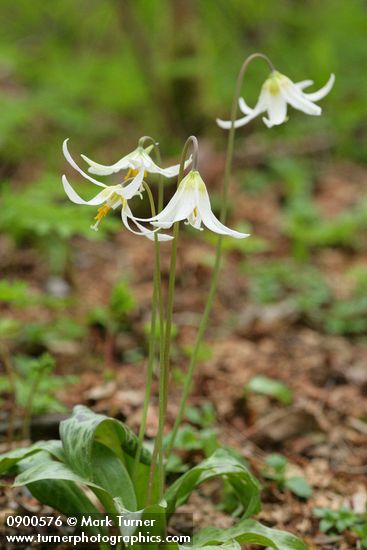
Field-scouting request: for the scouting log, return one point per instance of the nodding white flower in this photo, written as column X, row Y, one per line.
column 111, row 197
column 277, row 91
column 138, row 159
column 191, row 202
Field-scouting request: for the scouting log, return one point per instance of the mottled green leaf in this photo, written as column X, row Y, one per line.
column 220, row 464
column 79, row 432
column 249, row 531
column 11, row 458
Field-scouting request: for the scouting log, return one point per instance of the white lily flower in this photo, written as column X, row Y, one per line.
column 111, row 197
column 138, row 159
column 277, row 91
column 191, row 202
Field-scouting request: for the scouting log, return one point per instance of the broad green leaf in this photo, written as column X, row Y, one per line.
column 66, row 497
column 79, row 432
column 141, row 480
column 50, row 469
column 11, row 458
column 299, row 486
column 248, row 531
column 220, row 464
column 268, row 386
column 156, row 512
column 63, row 495
column 110, row 473
column 230, row 545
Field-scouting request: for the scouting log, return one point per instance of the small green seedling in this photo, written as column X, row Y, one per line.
column 361, row 531
column 276, row 470
column 203, row 436
column 53, row 334
column 113, row 318
column 338, row 521
column 264, row 385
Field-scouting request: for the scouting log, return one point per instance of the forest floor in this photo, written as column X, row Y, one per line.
column 322, row 433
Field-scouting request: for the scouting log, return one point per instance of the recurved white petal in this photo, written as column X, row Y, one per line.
column 303, row 84
column 227, row 124
column 298, row 100
column 244, row 107
column 209, row 219
column 132, row 188
column 316, row 96
column 180, row 210
column 169, row 210
column 171, row 171
column 74, row 197
column 126, row 214
column 106, row 170
column 259, row 108
column 72, row 162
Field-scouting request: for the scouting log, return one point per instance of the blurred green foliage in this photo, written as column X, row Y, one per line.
column 106, row 71
column 275, row 469
column 36, row 386
column 264, row 385
column 343, row 519
column 114, row 316
column 278, row 280
column 306, row 287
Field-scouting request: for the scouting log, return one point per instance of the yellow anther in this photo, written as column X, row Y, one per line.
column 131, row 173
column 102, row 212
column 195, row 212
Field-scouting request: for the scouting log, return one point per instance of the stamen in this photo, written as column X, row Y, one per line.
column 131, row 173
column 101, row 213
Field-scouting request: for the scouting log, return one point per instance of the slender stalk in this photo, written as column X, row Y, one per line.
column 165, row 355
column 28, row 406
column 156, row 299
column 6, row 360
column 218, row 251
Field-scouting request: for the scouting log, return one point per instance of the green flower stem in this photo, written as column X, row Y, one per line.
column 218, row 252
column 6, row 360
column 157, row 302
column 26, row 425
column 165, row 356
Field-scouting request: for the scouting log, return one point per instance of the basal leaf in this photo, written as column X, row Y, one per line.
column 110, row 473
column 79, row 432
column 155, row 513
column 11, row 458
column 50, row 469
column 220, row 464
column 141, row 480
column 66, row 497
column 229, row 545
column 248, row 531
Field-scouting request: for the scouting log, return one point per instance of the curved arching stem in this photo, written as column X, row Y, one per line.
column 232, row 131
column 218, row 252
